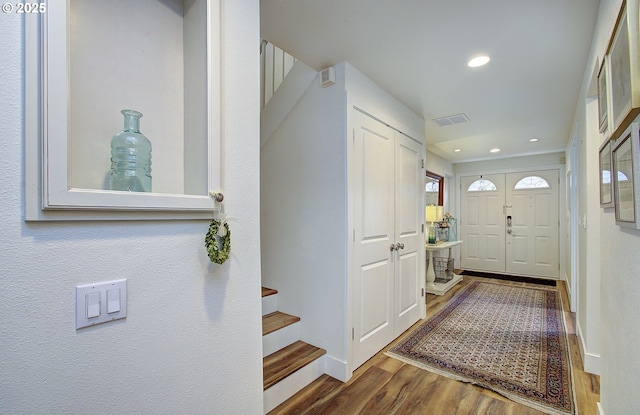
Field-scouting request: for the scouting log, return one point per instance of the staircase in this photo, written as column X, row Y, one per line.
column 289, row 364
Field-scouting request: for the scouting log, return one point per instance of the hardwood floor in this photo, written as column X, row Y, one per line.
column 385, row 386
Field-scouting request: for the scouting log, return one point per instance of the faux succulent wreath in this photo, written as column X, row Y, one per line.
column 218, row 241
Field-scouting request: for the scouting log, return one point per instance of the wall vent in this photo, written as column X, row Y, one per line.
column 451, row 120
column 328, row 77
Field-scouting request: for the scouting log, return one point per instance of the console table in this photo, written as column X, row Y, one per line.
column 439, row 288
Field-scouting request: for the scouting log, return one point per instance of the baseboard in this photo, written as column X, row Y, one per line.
column 599, row 410
column 336, row 368
column 590, row 361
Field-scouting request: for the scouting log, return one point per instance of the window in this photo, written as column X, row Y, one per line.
column 532, row 182
column 482, row 185
column 606, row 177
column 434, row 188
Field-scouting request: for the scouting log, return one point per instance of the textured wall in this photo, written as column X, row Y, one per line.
column 191, row 342
column 619, row 282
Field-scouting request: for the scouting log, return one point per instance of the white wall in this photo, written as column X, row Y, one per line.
column 444, row 168
column 619, row 282
column 191, row 342
column 304, row 217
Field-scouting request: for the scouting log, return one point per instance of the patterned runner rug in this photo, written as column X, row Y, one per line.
column 509, row 339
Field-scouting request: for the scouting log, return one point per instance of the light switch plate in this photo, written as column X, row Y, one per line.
column 106, row 309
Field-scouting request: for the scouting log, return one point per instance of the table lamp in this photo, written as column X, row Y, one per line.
column 431, row 215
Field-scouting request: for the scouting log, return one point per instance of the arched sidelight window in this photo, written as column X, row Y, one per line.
column 482, row 185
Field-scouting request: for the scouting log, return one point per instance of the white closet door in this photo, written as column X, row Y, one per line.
column 408, row 231
column 374, row 200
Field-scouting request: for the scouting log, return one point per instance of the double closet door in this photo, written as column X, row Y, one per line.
column 509, row 223
column 388, row 240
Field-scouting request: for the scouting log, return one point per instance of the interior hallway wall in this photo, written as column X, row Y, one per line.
column 191, row 342
column 620, row 263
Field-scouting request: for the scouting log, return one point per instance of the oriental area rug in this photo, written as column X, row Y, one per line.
column 506, row 338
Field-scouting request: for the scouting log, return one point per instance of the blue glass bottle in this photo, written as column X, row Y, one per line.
column 131, row 156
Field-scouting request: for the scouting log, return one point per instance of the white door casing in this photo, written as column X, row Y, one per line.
column 387, row 202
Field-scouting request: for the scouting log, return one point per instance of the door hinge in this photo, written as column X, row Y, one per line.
column 353, row 136
column 422, row 226
column 423, row 292
column 353, row 333
column 423, row 163
column 354, row 235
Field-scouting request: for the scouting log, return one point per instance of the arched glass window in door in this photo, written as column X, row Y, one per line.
column 482, row 185
column 606, row 177
column 531, row 182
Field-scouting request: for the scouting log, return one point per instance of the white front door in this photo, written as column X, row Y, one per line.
column 532, row 238
column 482, row 225
column 387, row 196
column 509, row 223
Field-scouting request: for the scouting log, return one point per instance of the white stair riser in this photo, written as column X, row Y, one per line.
column 279, row 339
column 292, row 384
column 269, row 304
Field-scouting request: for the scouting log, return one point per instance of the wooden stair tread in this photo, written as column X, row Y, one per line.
column 268, row 291
column 277, row 320
column 288, row 360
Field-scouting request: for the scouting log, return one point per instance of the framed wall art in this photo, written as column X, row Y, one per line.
column 624, row 70
column 606, row 188
column 603, row 98
column 625, row 156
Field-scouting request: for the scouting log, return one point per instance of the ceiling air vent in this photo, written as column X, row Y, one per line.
column 451, row 120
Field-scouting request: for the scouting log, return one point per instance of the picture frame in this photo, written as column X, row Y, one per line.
column 623, row 70
column 606, row 185
column 603, row 97
column 625, row 155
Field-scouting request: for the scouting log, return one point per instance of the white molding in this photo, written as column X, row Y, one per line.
column 590, row 361
column 336, row 368
column 599, row 410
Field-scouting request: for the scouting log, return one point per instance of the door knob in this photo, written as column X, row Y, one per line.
column 392, row 248
column 399, row 246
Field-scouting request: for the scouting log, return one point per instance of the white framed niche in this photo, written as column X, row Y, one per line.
column 85, row 61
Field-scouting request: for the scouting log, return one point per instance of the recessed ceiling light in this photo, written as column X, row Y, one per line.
column 494, row 150
column 533, row 140
column 457, row 150
column 478, row 61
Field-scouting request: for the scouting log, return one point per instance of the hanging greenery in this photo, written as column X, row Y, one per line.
column 218, row 241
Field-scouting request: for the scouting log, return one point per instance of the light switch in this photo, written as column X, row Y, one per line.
column 113, row 301
column 92, row 301
column 100, row 303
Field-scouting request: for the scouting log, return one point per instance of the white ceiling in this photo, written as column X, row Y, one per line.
column 417, row 50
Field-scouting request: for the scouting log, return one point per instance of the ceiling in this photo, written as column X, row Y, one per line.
column 417, row 50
